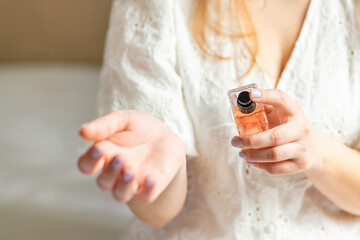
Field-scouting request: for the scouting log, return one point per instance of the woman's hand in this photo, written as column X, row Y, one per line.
column 136, row 153
column 288, row 147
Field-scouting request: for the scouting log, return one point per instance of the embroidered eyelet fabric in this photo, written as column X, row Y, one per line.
column 151, row 63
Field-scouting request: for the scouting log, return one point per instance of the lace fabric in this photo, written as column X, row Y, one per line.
column 151, row 63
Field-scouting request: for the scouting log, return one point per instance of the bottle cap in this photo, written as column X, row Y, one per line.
column 244, row 103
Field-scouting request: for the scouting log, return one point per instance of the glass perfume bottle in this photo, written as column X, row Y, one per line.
column 249, row 116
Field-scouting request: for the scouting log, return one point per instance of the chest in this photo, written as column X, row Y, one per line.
column 277, row 24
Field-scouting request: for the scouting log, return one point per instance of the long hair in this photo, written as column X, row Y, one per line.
column 241, row 27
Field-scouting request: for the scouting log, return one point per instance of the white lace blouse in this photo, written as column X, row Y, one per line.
column 152, row 63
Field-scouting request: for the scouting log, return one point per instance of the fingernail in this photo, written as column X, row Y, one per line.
column 127, row 177
column 95, row 153
column 236, row 142
column 84, row 125
column 255, row 93
column 149, row 182
column 242, row 154
column 250, row 163
column 116, row 163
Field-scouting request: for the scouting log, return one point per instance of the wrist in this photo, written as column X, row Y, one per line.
column 317, row 140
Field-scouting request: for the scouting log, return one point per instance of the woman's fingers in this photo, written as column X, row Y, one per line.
column 274, row 154
column 107, row 179
column 98, row 155
column 126, row 186
column 147, row 190
column 274, row 97
column 280, row 168
column 279, row 135
column 106, row 126
column 91, row 161
column 125, row 172
column 124, row 183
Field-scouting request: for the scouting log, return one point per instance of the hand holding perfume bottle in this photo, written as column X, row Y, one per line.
column 274, row 133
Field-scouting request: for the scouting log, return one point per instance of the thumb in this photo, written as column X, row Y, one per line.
column 106, row 126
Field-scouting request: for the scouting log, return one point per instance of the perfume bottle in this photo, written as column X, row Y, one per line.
column 249, row 116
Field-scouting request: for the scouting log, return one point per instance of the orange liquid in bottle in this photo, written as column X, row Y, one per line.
column 253, row 122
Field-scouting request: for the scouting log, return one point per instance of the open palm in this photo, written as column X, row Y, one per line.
column 135, row 151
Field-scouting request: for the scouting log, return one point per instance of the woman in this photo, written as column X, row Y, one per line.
column 167, row 152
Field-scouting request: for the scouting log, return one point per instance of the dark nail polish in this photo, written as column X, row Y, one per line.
column 116, row 163
column 242, row 154
column 149, row 182
column 236, row 142
column 127, row 177
column 95, row 153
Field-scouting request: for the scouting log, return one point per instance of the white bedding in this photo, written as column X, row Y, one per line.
column 42, row 194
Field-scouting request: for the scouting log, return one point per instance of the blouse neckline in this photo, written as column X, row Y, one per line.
column 295, row 51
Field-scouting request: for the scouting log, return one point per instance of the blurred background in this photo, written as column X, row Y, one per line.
column 50, row 58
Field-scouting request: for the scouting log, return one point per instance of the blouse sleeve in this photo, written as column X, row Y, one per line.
column 139, row 68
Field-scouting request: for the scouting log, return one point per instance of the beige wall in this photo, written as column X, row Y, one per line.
column 53, row 30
